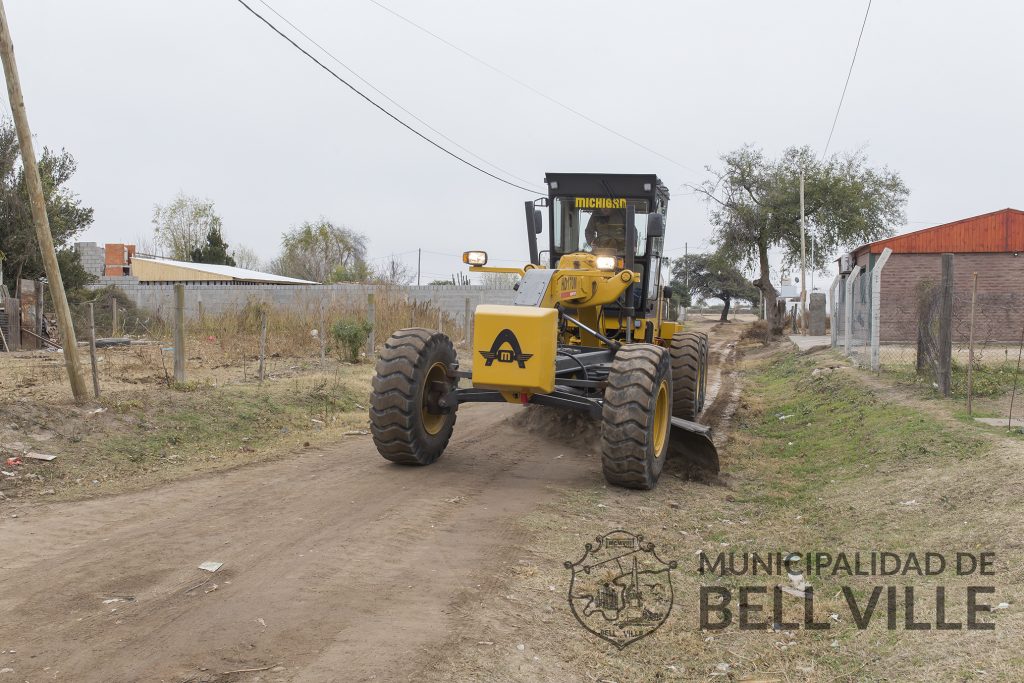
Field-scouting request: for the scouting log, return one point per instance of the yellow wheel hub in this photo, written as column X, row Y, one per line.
column 662, row 418
column 432, row 422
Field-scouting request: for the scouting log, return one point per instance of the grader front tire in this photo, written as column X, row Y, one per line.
column 636, row 416
column 404, row 421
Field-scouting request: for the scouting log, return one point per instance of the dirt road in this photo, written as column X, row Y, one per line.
column 337, row 565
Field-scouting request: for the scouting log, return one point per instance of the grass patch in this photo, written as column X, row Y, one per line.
column 140, row 439
column 990, row 380
column 813, row 463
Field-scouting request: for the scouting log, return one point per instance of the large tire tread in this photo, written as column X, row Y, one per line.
column 395, row 417
column 628, row 416
column 688, row 351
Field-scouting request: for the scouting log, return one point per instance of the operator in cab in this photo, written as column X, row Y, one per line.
column 606, row 231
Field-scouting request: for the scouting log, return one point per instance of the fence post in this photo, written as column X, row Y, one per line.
column 876, row 310
column 39, row 314
column 970, row 346
column 261, row 373
column 322, row 335
column 92, row 352
column 848, row 313
column 179, row 333
column 833, row 302
column 945, row 351
column 113, row 316
column 371, row 316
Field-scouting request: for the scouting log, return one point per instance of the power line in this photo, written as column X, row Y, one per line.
column 372, row 87
column 532, row 89
column 375, row 104
column 848, row 74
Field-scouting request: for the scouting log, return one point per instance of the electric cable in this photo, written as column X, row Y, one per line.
column 378, row 106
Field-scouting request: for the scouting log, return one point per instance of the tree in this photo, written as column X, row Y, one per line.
column 317, row 250
column 393, row 272
column 499, row 280
column 713, row 275
column 215, row 251
column 755, row 202
column 68, row 217
column 246, row 257
column 184, row 225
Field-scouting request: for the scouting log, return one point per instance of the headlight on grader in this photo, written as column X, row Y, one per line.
column 605, row 262
column 475, row 258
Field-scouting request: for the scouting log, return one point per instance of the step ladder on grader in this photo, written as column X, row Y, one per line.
column 587, row 330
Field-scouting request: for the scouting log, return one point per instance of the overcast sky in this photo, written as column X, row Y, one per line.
column 157, row 96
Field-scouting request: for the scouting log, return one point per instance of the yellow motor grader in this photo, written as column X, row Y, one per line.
column 587, row 330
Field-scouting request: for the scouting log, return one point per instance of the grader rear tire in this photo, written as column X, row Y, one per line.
column 635, row 420
column 689, row 353
column 704, row 371
column 413, row 364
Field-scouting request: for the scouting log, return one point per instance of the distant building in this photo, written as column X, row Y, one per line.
column 120, row 260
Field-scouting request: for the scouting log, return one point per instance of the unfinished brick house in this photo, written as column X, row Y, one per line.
column 991, row 245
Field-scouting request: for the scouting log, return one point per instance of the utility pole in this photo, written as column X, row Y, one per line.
column 419, row 259
column 39, row 217
column 812, row 262
column 803, row 257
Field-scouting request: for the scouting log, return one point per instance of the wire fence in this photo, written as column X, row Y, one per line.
column 931, row 328
column 136, row 348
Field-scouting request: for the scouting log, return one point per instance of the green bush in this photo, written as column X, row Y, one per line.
column 349, row 335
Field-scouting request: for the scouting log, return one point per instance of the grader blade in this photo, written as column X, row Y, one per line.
column 691, row 443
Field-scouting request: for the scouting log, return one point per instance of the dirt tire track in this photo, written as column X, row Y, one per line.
column 338, row 565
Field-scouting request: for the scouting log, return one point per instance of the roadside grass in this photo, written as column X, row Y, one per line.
column 140, row 438
column 814, row 463
column 990, row 380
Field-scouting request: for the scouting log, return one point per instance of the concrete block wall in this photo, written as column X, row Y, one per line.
column 92, row 257
column 217, row 298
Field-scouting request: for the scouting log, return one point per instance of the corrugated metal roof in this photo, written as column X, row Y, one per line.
column 998, row 231
column 229, row 272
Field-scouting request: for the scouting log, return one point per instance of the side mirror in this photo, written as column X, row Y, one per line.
column 538, row 222
column 666, row 293
column 655, row 225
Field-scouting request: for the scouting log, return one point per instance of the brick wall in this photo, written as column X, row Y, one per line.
column 999, row 313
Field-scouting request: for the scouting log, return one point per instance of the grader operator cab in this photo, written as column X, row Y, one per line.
column 587, row 330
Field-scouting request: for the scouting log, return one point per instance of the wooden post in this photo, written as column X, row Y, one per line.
column 92, row 352
column 371, row 317
column 469, row 324
column 945, row 350
column 322, row 336
column 970, row 348
column 113, row 316
column 39, row 308
column 179, row 333
column 39, row 218
column 261, row 373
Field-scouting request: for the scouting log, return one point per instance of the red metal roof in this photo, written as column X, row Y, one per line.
column 999, row 231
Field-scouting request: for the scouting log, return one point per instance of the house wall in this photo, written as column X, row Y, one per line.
column 1000, row 305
